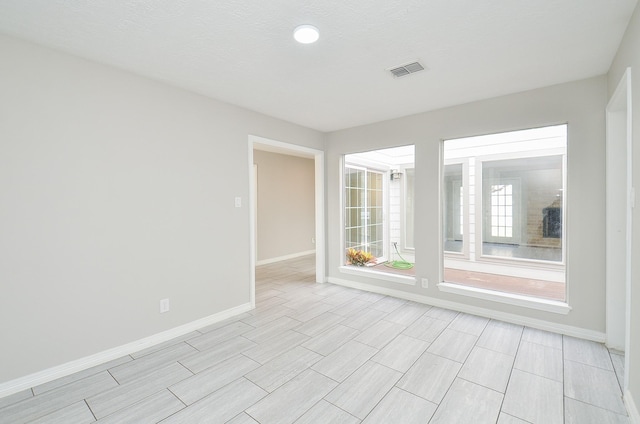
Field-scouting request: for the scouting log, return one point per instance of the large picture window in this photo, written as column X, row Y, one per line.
column 510, row 236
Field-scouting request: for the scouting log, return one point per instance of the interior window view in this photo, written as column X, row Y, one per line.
column 503, row 202
column 378, row 210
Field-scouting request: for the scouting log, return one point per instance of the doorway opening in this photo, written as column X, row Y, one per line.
column 619, row 201
column 280, row 216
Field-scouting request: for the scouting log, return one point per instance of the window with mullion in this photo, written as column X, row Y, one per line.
column 364, row 226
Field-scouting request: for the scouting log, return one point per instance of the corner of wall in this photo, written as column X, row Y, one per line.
column 632, row 409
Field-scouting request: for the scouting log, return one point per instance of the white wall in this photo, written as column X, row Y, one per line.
column 286, row 204
column 580, row 104
column 629, row 55
column 115, row 192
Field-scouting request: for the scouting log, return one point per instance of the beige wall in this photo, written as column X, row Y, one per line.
column 629, row 56
column 115, row 192
column 580, row 104
column 286, row 204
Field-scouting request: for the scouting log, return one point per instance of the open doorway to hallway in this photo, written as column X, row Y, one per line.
column 287, row 204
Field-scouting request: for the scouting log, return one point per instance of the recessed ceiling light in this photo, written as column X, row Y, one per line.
column 306, row 34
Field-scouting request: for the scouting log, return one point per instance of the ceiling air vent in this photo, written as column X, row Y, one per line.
column 404, row 70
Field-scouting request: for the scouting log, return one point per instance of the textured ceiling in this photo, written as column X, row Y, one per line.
column 243, row 52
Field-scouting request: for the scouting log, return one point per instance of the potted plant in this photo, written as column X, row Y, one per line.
column 359, row 257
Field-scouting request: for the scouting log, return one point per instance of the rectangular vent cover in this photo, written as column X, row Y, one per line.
column 404, row 70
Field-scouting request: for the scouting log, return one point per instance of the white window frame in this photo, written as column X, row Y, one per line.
column 543, row 264
column 559, row 307
column 403, row 210
column 466, row 223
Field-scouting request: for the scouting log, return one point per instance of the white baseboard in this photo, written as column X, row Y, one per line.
column 632, row 409
column 475, row 310
column 284, row 258
column 50, row 374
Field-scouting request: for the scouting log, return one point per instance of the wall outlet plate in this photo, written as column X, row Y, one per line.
column 425, row 283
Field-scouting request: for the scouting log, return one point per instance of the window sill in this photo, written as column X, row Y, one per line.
column 508, row 298
column 384, row 276
column 523, row 262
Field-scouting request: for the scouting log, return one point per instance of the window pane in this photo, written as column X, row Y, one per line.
column 520, row 192
column 515, row 186
column 453, row 208
column 409, row 207
column 379, row 204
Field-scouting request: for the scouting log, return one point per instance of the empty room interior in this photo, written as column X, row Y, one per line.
column 319, row 212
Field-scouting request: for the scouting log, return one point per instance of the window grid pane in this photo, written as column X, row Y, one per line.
column 363, row 210
column 501, row 215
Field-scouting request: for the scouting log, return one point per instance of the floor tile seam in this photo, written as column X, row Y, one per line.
column 307, row 410
column 114, row 378
column 506, row 388
column 619, row 378
column 309, row 367
column 336, row 406
column 327, row 330
column 339, row 383
column 128, row 405
column 449, row 359
column 380, row 400
column 519, row 337
column 519, row 418
column 34, row 394
column 246, row 411
column 452, row 381
column 130, row 383
column 195, row 354
column 383, row 346
column 514, row 367
column 177, row 397
column 263, row 330
column 264, row 388
column 443, row 320
column 413, row 394
column 216, row 390
column 406, row 325
column 467, row 355
column 414, row 361
column 90, row 410
column 541, row 376
column 544, row 345
column 497, row 351
column 468, row 332
column 222, row 340
column 350, row 374
column 483, row 386
column 596, row 406
column 301, row 333
column 612, row 370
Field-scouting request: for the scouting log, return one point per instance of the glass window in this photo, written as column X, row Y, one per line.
column 503, row 202
column 453, row 208
column 523, row 201
column 409, row 208
column 364, row 210
column 379, row 209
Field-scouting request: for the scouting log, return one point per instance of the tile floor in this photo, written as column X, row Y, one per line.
column 313, row 353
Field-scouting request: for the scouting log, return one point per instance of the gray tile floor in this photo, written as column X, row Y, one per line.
column 312, row 353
